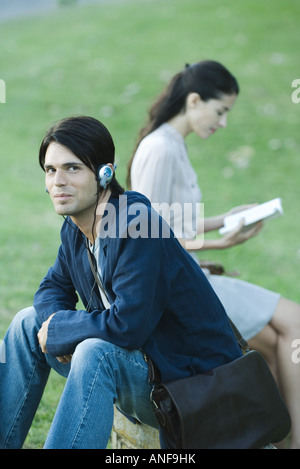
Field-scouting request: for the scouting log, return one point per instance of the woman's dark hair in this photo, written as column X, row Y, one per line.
column 88, row 139
column 208, row 78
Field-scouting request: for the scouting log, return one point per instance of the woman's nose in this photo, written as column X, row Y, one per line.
column 223, row 121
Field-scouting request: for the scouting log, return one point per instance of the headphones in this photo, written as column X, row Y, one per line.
column 105, row 174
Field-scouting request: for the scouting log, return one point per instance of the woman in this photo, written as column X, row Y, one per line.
column 198, row 99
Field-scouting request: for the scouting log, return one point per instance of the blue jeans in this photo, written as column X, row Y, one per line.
column 99, row 376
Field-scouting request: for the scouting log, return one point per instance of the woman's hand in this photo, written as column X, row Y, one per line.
column 239, row 235
column 216, row 222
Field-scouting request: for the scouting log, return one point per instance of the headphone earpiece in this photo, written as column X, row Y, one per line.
column 105, row 175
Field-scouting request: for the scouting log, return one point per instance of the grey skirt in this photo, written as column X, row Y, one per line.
column 249, row 306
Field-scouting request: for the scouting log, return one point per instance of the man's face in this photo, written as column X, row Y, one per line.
column 70, row 183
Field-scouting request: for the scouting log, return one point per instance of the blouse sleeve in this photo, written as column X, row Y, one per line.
column 151, row 172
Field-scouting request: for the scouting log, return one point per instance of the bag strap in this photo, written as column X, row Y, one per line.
column 95, row 273
column 241, row 341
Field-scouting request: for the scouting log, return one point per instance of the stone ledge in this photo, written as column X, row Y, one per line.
column 128, row 435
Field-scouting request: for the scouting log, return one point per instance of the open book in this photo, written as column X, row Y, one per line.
column 266, row 211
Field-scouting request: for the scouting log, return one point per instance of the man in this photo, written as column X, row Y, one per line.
column 148, row 298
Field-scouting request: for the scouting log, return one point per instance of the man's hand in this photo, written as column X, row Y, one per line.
column 42, row 337
column 43, row 334
column 65, row 359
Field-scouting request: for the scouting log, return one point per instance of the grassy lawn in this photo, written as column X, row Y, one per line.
column 110, row 61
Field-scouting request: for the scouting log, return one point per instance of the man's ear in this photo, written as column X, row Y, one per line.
column 192, row 100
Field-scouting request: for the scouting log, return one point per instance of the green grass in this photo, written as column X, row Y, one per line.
column 110, row 61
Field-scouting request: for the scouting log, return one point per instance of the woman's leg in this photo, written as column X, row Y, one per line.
column 275, row 343
column 286, row 321
column 265, row 342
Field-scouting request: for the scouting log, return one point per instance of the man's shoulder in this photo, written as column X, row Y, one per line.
column 129, row 198
column 135, row 197
column 129, row 215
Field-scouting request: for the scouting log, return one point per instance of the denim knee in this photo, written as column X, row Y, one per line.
column 24, row 328
column 27, row 315
column 100, row 356
column 26, row 320
column 88, row 349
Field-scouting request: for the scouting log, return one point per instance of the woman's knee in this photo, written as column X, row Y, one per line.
column 266, row 343
column 286, row 319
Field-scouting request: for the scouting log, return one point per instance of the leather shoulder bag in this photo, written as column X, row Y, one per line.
column 234, row 406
